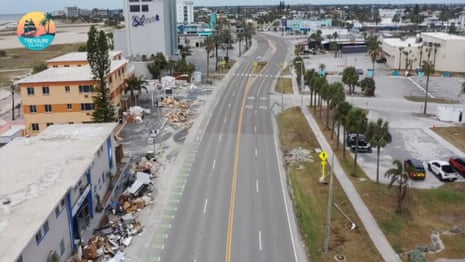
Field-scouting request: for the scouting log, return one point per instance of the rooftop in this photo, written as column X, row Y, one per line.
column 444, row 36
column 67, row 74
column 397, row 42
column 37, row 172
column 78, row 56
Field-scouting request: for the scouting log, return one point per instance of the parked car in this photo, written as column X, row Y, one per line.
column 359, row 71
column 381, row 60
column 415, row 169
column 362, row 147
column 442, row 170
column 458, row 163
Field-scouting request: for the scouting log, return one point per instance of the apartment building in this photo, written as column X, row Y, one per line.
column 185, row 12
column 56, row 198
column 63, row 93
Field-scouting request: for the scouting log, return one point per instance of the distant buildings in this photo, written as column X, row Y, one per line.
column 150, row 27
column 53, row 188
column 185, row 12
column 64, row 92
column 71, row 11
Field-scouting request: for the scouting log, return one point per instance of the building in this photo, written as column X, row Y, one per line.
column 57, row 196
column 443, row 50
column 150, row 27
column 71, row 11
column 185, row 12
column 64, row 92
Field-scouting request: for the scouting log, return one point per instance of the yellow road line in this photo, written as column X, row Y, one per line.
column 234, row 180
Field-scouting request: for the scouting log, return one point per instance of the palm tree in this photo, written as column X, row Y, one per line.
column 209, row 46
column 46, row 22
column 428, row 69
column 398, row 176
column 356, row 122
column 337, row 97
column 374, row 50
column 13, row 89
column 134, row 83
column 340, row 115
column 350, row 78
column 368, row 86
column 309, row 76
column 158, row 63
column 185, row 50
column 378, row 135
column 325, row 94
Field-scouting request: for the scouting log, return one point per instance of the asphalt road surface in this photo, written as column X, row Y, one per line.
column 233, row 205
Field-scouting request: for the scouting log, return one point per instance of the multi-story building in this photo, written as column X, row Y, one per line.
column 64, row 92
column 185, row 12
column 72, row 11
column 57, row 197
column 150, row 27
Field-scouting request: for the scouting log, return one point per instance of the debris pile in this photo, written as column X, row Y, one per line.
column 135, row 114
column 297, row 155
column 180, row 112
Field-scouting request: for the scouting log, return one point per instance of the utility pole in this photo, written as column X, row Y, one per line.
column 330, row 200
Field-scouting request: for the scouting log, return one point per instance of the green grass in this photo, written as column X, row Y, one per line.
column 284, row 85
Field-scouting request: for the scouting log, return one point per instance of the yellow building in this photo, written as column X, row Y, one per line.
column 63, row 92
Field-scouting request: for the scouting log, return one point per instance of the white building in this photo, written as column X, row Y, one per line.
column 49, row 185
column 150, row 27
column 185, row 12
column 446, row 51
column 71, row 11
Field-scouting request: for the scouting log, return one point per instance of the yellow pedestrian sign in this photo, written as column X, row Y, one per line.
column 323, row 155
column 282, row 65
column 255, row 64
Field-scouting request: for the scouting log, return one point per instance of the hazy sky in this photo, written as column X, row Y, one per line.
column 24, row 6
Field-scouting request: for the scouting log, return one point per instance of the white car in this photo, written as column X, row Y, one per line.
column 443, row 170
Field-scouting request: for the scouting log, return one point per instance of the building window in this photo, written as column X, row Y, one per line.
column 134, row 8
column 49, row 124
column 48, row 108
column 133, row 1
column 67, row 89
column 45, row 90
column 66, row 65
column 70, row 107
column 87, row 107
column 35, row 127
column 30, row 91
column 145, row 8
column 46, row 227
column 86, row 89
column 38, row 237
column 55, row 66
column 33, row 109
column 62, row 247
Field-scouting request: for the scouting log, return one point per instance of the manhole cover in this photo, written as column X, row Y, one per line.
column 339, row 258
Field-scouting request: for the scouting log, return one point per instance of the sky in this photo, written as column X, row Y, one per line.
column 25, row 6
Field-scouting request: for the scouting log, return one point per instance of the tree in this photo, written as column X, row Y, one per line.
column 350, row 78
column 337, row 97
column 209, row 46
column 428, row 69
column 368, row 86
column 185, row 50
column 39, row 68
column 99, row 61
column 400, row 56
column 356, row 122
column 309, row 76
column 134, row 83
column 342, row 110
column 374, row 50
column 398, row 177
column 157, row 65
column 111, row 41
column 378, row 135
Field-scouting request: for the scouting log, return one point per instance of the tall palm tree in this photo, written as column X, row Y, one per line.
column 13, row 90
column 325, row 95
column 400, row 56
column 356, row 122
column 341, row 112
column 209, row 46
column 378, row 135
column 428, row 69
column 337, row 97
column 309, row 77
column 134, row 83
column 46, row 22
column 399, row 177
column 374, row 50
column 350, row 78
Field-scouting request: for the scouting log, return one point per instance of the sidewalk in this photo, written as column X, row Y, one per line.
column 374, row 231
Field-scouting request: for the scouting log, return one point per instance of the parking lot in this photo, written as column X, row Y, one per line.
column 411, row 132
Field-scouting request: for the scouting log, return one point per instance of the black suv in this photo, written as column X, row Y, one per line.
column 363, row 145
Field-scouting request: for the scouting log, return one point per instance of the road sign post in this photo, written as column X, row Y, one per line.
column 323, row 156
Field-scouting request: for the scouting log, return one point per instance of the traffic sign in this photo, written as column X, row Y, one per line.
column 323, row 156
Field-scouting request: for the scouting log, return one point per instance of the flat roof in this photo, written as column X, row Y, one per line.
column 78, row 56
column 37, row 172
column 401, row 43
column 443, row 36
column 67, row 74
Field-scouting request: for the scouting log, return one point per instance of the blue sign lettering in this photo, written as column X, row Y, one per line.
column 141, row 20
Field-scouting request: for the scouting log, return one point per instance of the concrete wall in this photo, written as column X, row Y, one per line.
column 58, row 231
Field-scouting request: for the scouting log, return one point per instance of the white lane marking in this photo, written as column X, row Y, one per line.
column 255, row 111
column 221, row 135
column 234, row 93
column 256, row 152
column 229, row 105
column 249, row 106
column 225, row 119
column 263, row 107
column 256, row 185
column 214, row 163
column 205, row 206
column 260, row 240
column 255, row 128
